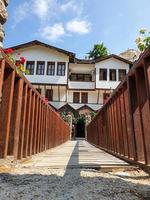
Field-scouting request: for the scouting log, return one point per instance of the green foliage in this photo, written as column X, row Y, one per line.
column 64, row 116
column 143, row 40
column 93, row 114
column 99, row 50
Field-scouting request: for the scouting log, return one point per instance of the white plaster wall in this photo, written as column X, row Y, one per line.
column 81, row 68
column 92, row 96
column 111, row 63
column 39, row 53
column 81, row 85
column 62, row 90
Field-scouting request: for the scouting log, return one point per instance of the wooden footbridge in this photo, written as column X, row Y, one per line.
column 29, row 126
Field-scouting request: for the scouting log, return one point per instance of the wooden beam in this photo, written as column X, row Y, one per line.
column 5, row 111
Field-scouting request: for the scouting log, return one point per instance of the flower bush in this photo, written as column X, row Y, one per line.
column 19, row 63
column 143, row 40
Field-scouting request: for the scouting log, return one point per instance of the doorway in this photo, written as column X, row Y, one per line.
column 80, row 128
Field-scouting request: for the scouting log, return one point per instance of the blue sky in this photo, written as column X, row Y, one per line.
column 76, row 25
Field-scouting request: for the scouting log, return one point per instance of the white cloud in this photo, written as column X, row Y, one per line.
column 20, row 13
column 50, row 11
column 79, row 26
column 53, row 33
column 43, row 8
column 70, row 5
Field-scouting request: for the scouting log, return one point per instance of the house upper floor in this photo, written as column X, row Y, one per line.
column 54, row 66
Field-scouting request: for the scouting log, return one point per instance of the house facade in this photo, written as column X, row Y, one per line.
column 71, row 84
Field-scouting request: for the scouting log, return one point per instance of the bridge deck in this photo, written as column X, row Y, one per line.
column 75, row 154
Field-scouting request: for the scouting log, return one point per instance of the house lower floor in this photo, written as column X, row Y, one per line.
column 64, row 99
column 80, row 104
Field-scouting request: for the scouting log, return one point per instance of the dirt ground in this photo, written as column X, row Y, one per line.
column 72, row 184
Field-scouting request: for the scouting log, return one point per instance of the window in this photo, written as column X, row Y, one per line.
column 40, row 68
column 61, row 68
column 51, row 68
column 39, row 90
column 49, row 94
column 76, row 97
column 103, row 74
column 112, row 75
column 30, row 67
column 105, row 97
column 122, row 74
column 84, row 98
column 81, row 77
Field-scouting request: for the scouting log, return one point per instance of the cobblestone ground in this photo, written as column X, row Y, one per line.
column 73, row 184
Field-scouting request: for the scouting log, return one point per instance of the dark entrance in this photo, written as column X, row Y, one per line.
column 80, row 128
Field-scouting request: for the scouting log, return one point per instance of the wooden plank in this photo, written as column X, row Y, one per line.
column 16, row 115
column 35, row 133
column 136, row 120
column 124, row 124
column 2, row 67
column 31, row 125
column 144, row 107
column 5, row 111
column 22, row 127
column 27, row 123
column 39, row 127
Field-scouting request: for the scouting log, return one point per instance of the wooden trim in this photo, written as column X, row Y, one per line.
column 84, row 95
column 61, row 63
column 48, row 84
column 43, row 69
column 78, row 97
column 81, row 89
column 98, row 95
column 50, row 63
column 58, row 93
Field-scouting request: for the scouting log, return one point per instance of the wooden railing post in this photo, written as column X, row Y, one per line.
column 16, row 118
column 5, row 110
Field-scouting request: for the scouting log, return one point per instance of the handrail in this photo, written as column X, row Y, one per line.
column 122, row 125
column 28, row 125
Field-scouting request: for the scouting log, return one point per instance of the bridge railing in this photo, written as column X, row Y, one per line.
column 122, row 126
column 28, row 125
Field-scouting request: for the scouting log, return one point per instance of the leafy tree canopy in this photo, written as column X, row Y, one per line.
column 143, row 40
column 99, row 50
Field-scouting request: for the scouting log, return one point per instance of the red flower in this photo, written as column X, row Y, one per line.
column 8, row 51
column 46, row 100
column 22, row 60
column 17, row 63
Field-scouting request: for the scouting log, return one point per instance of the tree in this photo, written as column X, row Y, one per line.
column 143, row 40
column 99, row 50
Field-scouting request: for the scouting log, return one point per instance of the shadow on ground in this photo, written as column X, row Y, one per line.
column 72, row 184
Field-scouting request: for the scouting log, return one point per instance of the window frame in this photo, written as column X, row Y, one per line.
column 52, row 70
column 41, row 70
column 115, row 74
column 49, row 96
column 76, row 93
column 31, row 69
column 119, row 74
column 100, row 69
column 82, row 98
column 63, row 71
column 84, row 76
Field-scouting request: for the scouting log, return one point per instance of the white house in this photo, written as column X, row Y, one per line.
column 70, row 83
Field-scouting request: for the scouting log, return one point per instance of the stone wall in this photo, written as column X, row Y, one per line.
column 3, row 18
